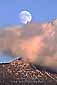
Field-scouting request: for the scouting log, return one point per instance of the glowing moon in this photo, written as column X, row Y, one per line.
column 25, row 17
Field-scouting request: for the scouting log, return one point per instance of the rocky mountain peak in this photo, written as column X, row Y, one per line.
column 54, row 22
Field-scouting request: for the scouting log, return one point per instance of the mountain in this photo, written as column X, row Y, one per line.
column 35, row 42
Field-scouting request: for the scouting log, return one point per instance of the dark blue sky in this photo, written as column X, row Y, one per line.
column 41, row 10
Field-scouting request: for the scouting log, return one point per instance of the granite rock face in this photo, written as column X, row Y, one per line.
column 36, row 43
column 19, row 71
column 54, row 22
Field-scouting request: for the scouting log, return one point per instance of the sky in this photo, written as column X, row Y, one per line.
column 41, row 10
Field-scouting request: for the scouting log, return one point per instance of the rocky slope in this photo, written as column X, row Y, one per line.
column 19, row 72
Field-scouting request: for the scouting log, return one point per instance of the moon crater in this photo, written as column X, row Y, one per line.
column 25, row 17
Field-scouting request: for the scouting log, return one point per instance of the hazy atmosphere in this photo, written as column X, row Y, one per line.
column 40, row 11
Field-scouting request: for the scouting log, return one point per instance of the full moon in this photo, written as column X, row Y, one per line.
column 25, row 17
